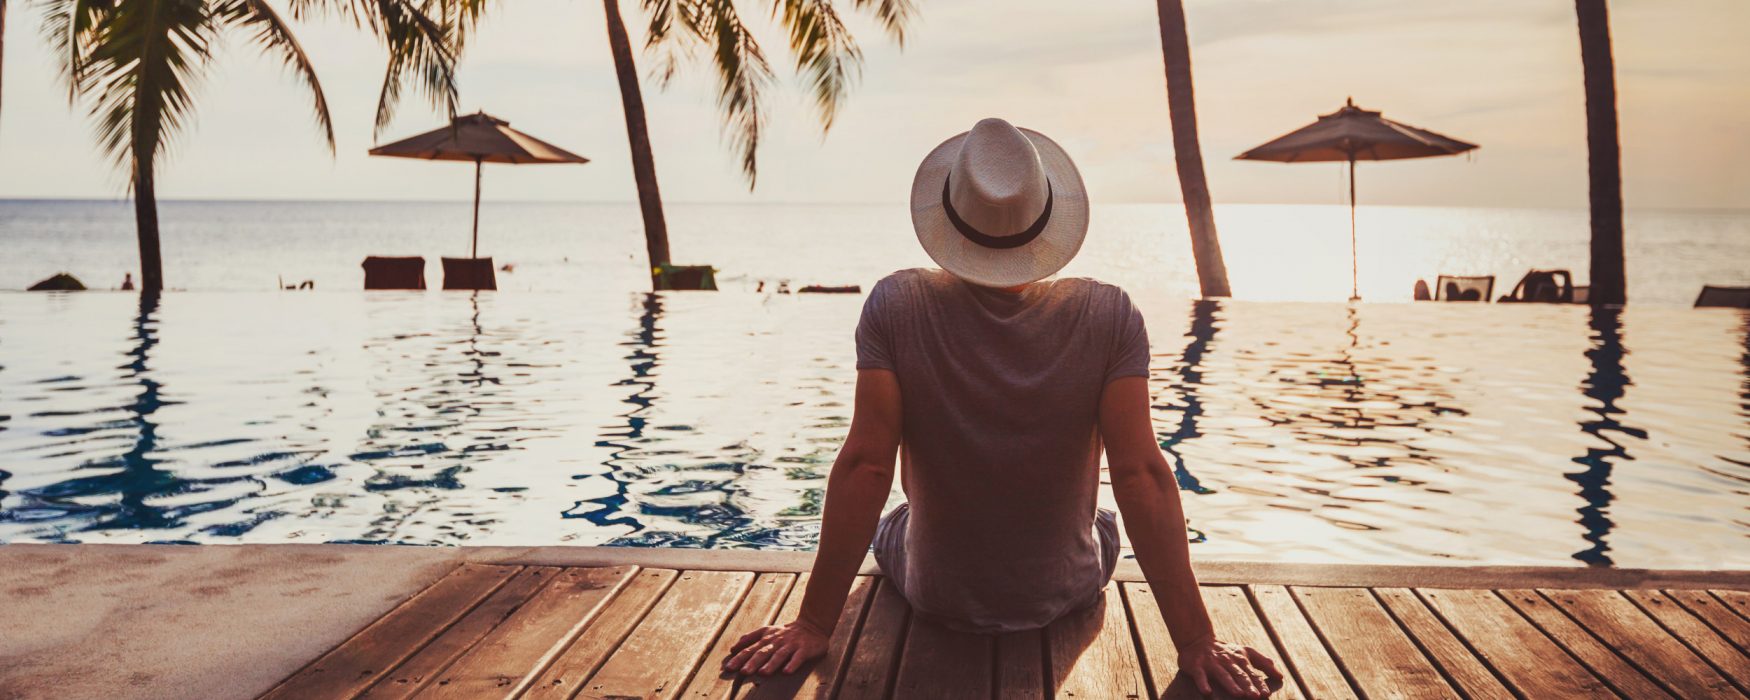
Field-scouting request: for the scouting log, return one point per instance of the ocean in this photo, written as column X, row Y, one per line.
column 1273, row 252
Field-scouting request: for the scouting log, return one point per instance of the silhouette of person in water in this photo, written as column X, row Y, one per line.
column 127, row 281
column 1012, row 386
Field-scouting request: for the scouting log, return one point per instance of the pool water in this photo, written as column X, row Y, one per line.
column 1317, row 432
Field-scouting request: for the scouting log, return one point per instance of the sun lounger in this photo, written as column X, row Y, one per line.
column 826, row 289
column 1723, row 297
column 469, row 273
column 1462, row 288
column 1545, row 287
column 394, row 272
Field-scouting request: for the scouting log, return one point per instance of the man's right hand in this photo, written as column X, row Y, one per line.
column 1242, row 671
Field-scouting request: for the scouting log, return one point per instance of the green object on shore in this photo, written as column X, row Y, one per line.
column 60, row 282
column 685, row 277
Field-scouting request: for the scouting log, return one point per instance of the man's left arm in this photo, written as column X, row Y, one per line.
column 861, row 479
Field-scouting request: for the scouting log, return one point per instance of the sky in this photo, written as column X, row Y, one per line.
column 1501, row 73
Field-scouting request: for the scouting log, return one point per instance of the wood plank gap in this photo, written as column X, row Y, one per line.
column 413, row 675
column 1736, row 601
column 1291, row 674
column 1716, row 615
column 614, row 624
column 1609, row 665
column 757, row 609
column 1309, row 662
column 1330, row 651
column 348, row 679
column 1588, row 609
column 1467, row 685
column 1142, row 655
column 1695, row 634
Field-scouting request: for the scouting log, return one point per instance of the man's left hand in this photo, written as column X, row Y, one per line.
column 777, row 649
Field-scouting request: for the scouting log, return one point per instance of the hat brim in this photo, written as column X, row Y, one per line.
column 997, row 267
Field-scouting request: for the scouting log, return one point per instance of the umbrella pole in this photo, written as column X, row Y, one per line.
column 1354, row 266
column 474, row 248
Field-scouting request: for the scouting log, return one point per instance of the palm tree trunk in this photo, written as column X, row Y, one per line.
column 638, row 133
column 1193, row 187
column 1604, row 154
column 146, row 228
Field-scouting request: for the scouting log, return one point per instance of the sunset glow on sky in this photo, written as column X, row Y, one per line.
column 1501, row 73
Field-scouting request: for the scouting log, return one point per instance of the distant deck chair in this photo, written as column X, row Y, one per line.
column 1723, row 297
column 394, row 272
column 1462, row 288
column 1544, row 287
column 469, row 273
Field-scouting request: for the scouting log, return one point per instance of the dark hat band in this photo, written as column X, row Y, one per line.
column 1000, row 242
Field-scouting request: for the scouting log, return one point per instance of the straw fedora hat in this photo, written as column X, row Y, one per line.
column 999, row 206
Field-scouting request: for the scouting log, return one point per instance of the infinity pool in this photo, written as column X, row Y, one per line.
column 1385, row 433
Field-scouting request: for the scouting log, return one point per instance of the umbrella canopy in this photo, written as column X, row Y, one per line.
column 1348, row 135
column 480, row 138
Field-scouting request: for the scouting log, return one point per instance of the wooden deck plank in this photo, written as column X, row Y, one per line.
column 1695, row 634
column 1530, row 661
column 1155, row 651
column 1622, row 626
column 1736, row 601
column 664, row 650
column 875, row 657
column 1369, row 644
column 1307, row 658
column 522, row 644
column 1608, row 665
column 820, row 679
column 568, row 672
column 1092, row 654
column 938, row 662
column 1460, row 665
column 425, row 665
column 1020, row 660
column 1234, row 620
column 757, row 610
column 1717, row 615
column 358, row 662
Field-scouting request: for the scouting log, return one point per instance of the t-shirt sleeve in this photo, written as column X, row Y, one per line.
column 1129, row 356
column 874, row 346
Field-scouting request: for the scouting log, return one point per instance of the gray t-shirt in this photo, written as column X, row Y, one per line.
column 1000, row 453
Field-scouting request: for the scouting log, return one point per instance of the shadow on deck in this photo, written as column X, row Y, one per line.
column 630, row 631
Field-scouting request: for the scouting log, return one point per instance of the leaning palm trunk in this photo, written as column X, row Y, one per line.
column 145, row 150
column 1604, row 154
column 1188, row 155
column 638, row 133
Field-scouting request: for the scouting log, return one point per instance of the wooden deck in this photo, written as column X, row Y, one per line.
column 500, row 631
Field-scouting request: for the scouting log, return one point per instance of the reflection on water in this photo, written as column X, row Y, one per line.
column 1307, row 432
column 1605, row 384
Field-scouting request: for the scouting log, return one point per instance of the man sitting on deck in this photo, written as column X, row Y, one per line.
column 1001, row 387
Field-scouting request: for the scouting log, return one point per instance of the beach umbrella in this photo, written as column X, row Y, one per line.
column 1351, row 134
column 481, row 138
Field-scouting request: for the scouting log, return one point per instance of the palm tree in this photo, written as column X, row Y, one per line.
column 1604, row 154
column 1193, row 187
column 134, row 61
column 826, row 55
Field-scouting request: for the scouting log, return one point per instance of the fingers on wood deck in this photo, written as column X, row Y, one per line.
column 625, row 632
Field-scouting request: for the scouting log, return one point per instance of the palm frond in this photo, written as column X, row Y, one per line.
column 825, row 52
column 138, row 69
column 276, row 37
column 742, row 73
column 68, row 26
column 420, row 50
column 670, row 48
column 895, row 16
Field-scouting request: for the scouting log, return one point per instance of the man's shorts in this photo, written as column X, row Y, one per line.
column 890, row 546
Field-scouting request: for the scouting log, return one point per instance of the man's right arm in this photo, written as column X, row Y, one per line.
column 1148, row 498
